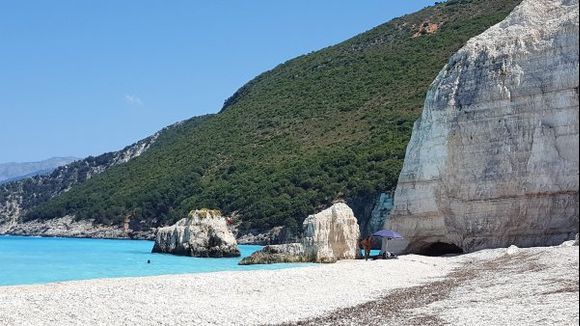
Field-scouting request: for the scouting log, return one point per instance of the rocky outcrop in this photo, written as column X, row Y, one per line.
column 382, row 208
column 204, row 233
column 371, row 211
column 427, row 28
column 493, row 161
column 331, row 235
column 275, row 236
column 273, row 254
column 328, row 236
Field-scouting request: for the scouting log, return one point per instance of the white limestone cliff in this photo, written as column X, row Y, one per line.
column 493, row 161
column 204, row 233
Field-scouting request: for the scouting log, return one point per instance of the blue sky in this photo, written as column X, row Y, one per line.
column 81, row 77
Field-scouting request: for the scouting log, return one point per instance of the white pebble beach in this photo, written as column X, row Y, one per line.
column 275, row 296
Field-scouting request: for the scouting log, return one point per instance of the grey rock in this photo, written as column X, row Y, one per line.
column 371, row 211
column 284, row 253
column 493, row 161
column 276, row 235
column 383, row 207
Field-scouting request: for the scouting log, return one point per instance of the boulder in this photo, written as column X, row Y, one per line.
column 276, row 235
column 512, row 250
column 331, row 235
column 328, row 236
column 493, row 160
column 204, row 233
column 285, row 253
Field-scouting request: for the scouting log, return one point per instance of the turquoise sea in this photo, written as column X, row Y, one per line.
column 31, row 260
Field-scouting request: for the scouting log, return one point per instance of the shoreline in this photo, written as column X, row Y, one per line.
column 66, row 237
column 144, row 236
column 343, row 293
column 224, row 298
column 32, row 235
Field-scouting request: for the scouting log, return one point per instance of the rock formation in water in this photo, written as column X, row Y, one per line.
column 204, row 233
column 493, row 161
column 328, row 236
column 273, row 254
column 274, row 236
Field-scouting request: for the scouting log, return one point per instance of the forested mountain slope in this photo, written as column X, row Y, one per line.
column 334, row 123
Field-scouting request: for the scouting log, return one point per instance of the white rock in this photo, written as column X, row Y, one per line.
column 493, row 160
column 329, row 236
column 567, row 244
column 332, row 234
column 204, row 233
column 512, row 250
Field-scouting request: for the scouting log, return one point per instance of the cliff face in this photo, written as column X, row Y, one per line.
column 18, row 196
column 493, row 161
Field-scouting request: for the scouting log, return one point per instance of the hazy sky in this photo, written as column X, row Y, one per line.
column 80, row 77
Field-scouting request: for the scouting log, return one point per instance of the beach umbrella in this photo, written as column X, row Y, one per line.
column 389, row 235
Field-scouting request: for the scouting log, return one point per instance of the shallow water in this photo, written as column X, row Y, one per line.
column 31, row 260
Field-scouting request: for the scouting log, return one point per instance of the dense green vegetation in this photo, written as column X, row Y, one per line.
column 333, row 123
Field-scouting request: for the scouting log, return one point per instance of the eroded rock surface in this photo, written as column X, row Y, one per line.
column 329, row 236
column 276, row 235
column 273, row 254
column 204, row 233
column 493, row 161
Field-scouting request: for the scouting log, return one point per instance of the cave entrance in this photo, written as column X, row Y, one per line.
column 437, row 249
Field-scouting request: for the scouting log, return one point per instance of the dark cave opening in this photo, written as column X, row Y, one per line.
column 437, row 249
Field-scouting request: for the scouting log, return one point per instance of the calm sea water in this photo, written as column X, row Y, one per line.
column 29, row 260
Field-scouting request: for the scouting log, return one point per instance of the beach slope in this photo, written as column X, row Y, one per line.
column 495, row 286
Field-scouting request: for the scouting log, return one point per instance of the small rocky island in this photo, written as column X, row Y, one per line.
column 329, row 236
column 204, row 233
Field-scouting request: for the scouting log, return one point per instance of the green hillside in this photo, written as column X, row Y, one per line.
column 333, row 123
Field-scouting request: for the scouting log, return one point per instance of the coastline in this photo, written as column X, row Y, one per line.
column 66, row 227
column 312, row 295
column 141, row 237
column 224, row 298
column 72, row 236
